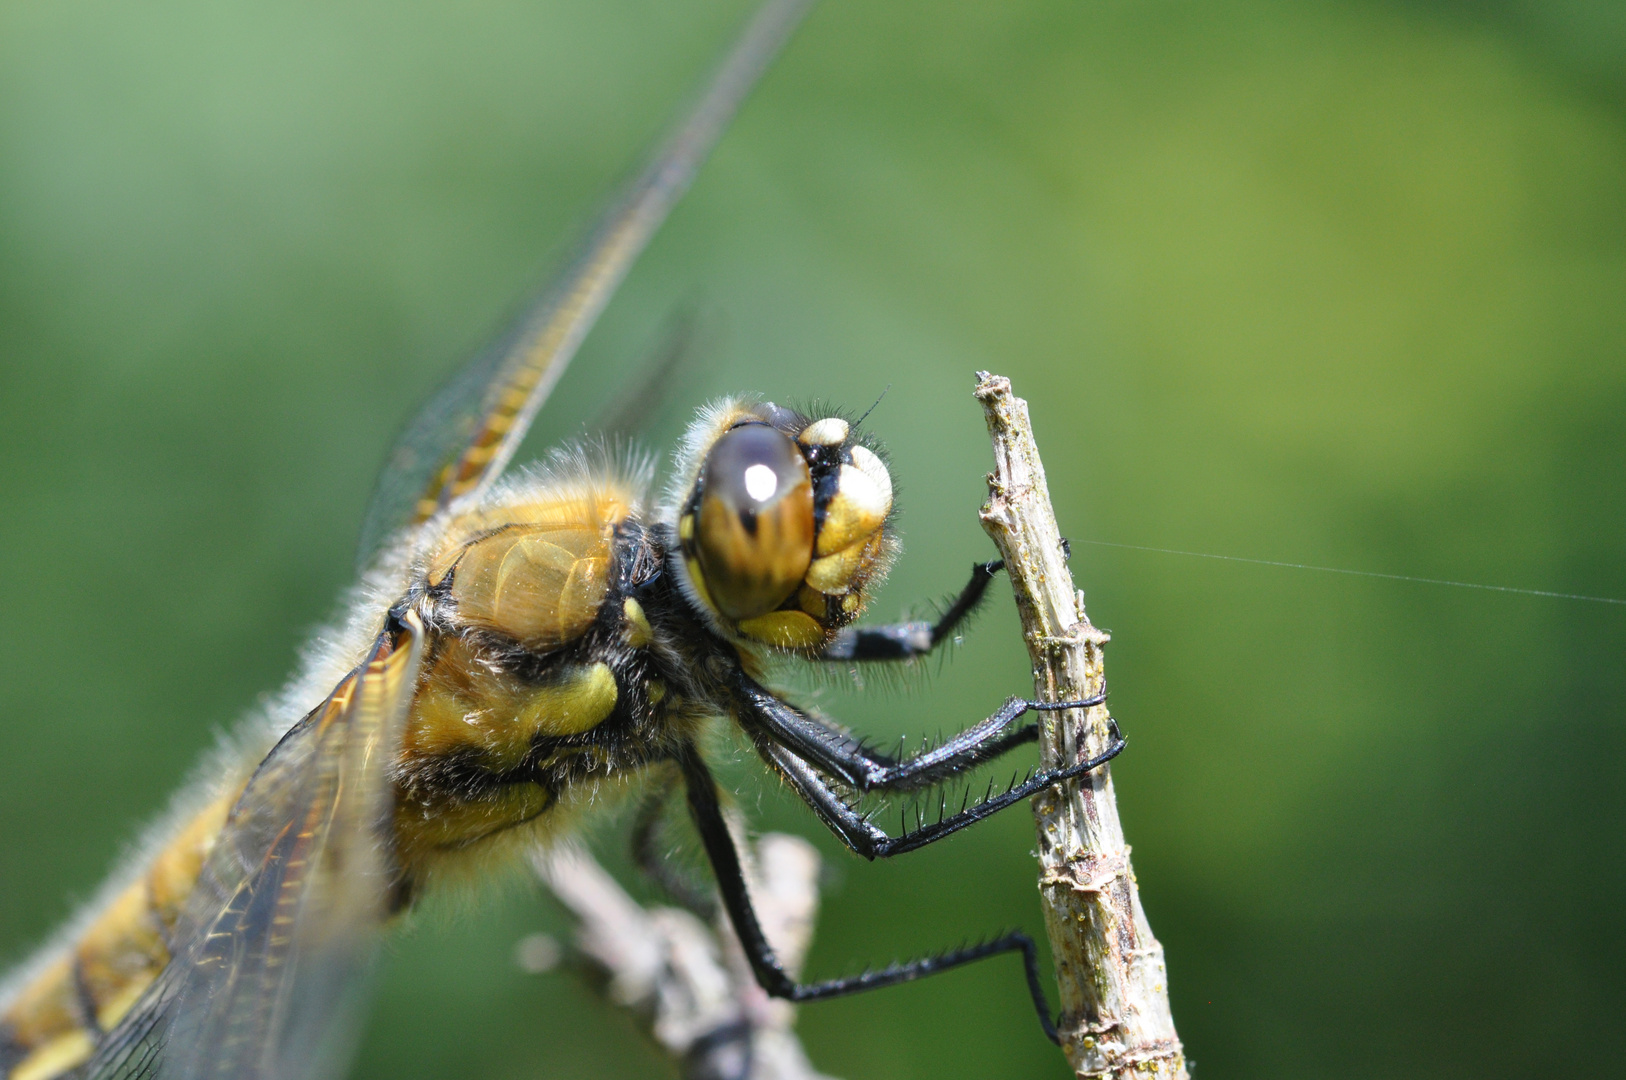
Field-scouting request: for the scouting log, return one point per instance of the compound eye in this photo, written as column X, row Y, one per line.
column 755, row 528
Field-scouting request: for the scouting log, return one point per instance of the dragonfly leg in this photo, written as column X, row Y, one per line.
column 648, row 852
column 859, row 833
column 900, row 641
column 765, row 965
column 856, row 765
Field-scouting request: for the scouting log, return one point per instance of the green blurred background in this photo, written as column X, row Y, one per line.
column 1340, row 283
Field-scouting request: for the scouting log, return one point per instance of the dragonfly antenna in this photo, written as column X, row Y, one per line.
column 871, row 409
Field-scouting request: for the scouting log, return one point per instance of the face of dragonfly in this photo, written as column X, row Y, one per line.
column 782, row 523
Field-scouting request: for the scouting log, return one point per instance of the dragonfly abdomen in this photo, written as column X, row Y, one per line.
column 57, row 1017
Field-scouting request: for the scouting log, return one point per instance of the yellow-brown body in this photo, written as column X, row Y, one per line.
column 84, row 990
column 529, row 574
column 566, row 643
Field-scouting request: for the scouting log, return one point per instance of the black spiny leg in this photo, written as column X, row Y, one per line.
column 899, row 641
column 867, row 839
column 647, row 853
column 848, row 760
column 725, row 862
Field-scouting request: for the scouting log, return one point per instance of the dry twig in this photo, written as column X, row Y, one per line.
column 688, row 985
column 1114, row 990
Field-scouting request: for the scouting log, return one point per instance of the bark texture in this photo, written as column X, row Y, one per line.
column 1115, row 1020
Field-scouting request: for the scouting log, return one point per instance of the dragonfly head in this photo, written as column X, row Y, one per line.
column 783, row 522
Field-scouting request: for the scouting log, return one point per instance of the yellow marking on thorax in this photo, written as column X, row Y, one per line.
column 582, row 700
column 638, row 632
column 425, row 830
column 464, row 708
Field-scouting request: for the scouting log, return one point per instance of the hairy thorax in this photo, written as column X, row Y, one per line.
column 555, row 665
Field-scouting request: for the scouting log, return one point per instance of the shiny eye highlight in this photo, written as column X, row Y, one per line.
column 761, row 482
column 753, row 538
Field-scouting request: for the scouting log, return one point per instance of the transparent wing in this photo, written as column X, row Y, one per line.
column 270, row 957
column 464, row 437
column 644, row 399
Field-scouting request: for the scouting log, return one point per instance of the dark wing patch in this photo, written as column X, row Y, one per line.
column 271, row 952
column 465, row 436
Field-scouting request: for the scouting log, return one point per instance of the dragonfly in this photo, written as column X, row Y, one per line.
column 522, row 644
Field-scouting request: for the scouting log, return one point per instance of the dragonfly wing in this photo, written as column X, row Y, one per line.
column 271, row 953
column 464, row 437
column 674, row 360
